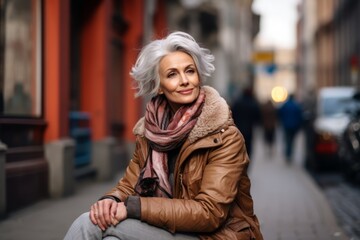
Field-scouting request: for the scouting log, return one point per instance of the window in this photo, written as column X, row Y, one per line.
column 20, row 64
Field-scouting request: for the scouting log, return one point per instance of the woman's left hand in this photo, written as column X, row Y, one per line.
column 120, row 215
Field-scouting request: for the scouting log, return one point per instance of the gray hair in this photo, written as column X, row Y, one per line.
column 146, row 69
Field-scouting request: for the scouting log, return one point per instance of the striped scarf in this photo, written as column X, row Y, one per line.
column 164, row 134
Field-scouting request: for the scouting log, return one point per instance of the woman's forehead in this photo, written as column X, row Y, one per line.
column 175, row 60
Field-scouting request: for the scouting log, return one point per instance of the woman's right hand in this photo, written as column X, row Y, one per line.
column 102, row 212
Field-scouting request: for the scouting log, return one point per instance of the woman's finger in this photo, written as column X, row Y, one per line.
column 121, row 213
column 92, row 215
column 106, row 206
column 113, row 212
column 98, row 216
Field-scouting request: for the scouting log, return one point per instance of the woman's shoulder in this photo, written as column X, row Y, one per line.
column 139, row 127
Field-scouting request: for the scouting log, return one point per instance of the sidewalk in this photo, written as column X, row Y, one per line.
column 288, row 204
column 50, row 219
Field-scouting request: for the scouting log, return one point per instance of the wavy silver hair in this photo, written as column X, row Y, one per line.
column 146, row 69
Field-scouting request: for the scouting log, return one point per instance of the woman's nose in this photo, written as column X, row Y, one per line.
column 184, row 79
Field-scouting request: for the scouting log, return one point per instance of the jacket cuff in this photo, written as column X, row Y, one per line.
column 110, row 197
column 133, row 207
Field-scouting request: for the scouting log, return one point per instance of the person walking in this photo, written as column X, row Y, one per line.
column 246, row 114
column 290, row 115
column 188, row 175
column 269, row 120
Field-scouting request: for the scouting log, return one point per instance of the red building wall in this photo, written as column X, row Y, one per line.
column 133, row 13
column 95, row 39
column 56, row 68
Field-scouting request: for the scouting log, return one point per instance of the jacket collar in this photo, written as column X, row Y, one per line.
column 214, row 115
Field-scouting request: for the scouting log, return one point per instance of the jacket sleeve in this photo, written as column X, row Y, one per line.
column 125, row 186
column 205, row 212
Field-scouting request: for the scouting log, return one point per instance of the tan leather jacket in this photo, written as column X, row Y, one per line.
column 211, row 188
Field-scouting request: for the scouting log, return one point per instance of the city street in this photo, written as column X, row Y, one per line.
column 76, row 77
column 288, row 202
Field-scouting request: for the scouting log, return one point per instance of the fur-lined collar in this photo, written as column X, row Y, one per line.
column 214, row 115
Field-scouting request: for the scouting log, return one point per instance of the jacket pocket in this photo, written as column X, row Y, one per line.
column 241, row 229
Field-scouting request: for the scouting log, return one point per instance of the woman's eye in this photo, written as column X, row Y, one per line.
column 171, row 75
column 191, row 71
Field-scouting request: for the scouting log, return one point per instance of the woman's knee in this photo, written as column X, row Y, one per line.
column 84, row 217
column 83, row 228
column 83, row 221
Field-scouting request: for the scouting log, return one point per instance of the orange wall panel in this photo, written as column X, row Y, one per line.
column 133, row 12
column 56, row 65
column 94, row 68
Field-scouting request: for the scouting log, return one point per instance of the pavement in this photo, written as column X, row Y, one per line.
column 288, row 203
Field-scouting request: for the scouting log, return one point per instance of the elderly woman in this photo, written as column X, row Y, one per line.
column 188, row 175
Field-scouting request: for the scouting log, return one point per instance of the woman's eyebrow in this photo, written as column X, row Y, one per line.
column 175, row 69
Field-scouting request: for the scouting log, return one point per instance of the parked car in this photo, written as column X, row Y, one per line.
column 349, row 149
column 333, row 109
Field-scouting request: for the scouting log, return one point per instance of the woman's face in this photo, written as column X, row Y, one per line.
column 179, row 79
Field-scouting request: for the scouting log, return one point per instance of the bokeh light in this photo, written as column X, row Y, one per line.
column 279, row 94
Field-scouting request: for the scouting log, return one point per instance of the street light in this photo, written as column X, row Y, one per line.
column 279, row 94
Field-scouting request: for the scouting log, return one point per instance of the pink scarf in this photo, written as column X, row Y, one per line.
column 164, row 134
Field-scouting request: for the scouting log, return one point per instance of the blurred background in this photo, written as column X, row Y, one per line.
column 67, row 106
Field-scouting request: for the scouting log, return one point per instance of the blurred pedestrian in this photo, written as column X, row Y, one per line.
column 188, row 176
column 269, row 119
column 290, row 115
column 246, row 114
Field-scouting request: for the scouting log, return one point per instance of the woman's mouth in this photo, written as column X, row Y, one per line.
column 186, row 91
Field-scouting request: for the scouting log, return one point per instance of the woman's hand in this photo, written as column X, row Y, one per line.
column 120, row 215
column 103, row 212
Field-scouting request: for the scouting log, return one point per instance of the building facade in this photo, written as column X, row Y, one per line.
column 67, row 105
column 328, row 44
